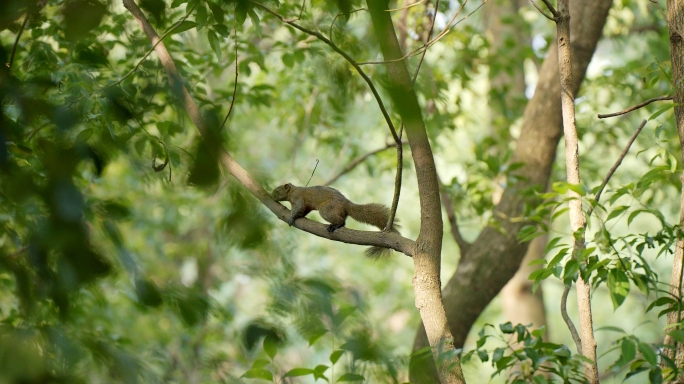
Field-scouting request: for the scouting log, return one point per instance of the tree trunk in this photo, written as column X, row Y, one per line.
column 519, row 304
column 496, row 255
column 578, row 221
column 427, row 258
column 675, row 20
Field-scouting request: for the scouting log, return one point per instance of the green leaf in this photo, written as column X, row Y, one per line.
column 351, row 377
column 258, row 374
column 617, row 212
column 288, row 59
column 665, row 300
column 678, row 335
column 648, row 354
column 335, row 356
column 298, row 372
column 271, row 346
column 84, row 135
column 553, row 243
column 255, row 21
column 241, row 13
column 506, row 327
column 628, row 348
column 219, row 15
column 661, row 110
column 571, row 269
column 260, row 363
column 618, row 286
column 317, row 335
column 528, row 233
column 611, row 328
column 655, row 376
column 342, row 314
column 214, row 43
column 222, row 30
column 177, row 3
column 184, row 26
column 201, row 16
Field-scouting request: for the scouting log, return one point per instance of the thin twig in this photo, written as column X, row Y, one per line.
column 18, row 252
column 397, row 183
column 630, row 109
column 541, row 11
column 564, row 313
column 443, row 33
column 345, row 56
column 232, row 101
column 359, row 160
column 553, row 10
column 406, row 6
column 16, row 41
column 429, row 35
column 451, row 215
column 618, row 162
column 312, row 173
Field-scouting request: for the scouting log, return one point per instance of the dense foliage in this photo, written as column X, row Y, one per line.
column 127, row 255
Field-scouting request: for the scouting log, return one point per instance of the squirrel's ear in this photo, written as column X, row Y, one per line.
column 288, row 186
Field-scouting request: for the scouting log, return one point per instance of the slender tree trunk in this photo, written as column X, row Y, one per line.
column 427, row 258
column 675, row 20
column 578, row 221
column 496, row 255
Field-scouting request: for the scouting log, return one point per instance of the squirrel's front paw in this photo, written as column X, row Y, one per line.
column 290, row 221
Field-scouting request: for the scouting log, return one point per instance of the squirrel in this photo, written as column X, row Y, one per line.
column 334, row 208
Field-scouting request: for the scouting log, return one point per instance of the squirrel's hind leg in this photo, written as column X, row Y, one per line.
column 335, row 215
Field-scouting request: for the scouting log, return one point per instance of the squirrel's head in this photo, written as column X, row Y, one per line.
column 281, row 193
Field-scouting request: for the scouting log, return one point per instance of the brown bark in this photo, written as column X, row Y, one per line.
column 675, row 20
column 496, row 255
column 520, row 305
column 426, row 279
column 577, row 220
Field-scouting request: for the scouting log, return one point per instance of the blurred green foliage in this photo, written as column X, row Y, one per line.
column 127, row 256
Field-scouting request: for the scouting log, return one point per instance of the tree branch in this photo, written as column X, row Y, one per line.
column 451, row 215
column 630, row 109
column 232, row 101
column 568, row 321
column 542, row 12
column 354, row 163
column 384, row 239
column 16, row 41
column 617, row 163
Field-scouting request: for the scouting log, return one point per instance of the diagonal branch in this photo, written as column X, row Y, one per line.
column 384, row 239
column 542, row 12
column 16, row 41
column 630, row 109
column 617, row 163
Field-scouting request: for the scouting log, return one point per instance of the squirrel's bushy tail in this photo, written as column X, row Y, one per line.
column 375, row 215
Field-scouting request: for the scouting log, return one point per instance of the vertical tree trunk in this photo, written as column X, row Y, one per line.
column 427, row 259
column 519, row 304
column 675, row 20
column 577, row 220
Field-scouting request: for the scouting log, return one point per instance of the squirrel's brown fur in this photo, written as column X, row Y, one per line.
column 334, row 208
